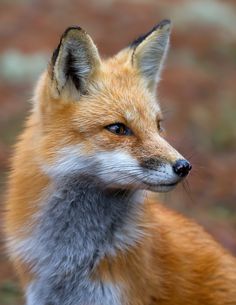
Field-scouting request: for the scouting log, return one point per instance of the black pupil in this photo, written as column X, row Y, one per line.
column 119, row 129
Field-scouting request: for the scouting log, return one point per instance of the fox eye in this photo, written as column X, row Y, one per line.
column 159, row 126
column 119, row 129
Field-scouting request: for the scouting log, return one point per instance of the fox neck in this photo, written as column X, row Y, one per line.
column 98, row 216
column 79, row 225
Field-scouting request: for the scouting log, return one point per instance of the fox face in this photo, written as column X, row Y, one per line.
column 101, row 119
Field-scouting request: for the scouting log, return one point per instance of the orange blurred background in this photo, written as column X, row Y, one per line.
column 197, row 93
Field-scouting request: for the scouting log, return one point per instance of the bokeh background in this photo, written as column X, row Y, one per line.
column 197, row 93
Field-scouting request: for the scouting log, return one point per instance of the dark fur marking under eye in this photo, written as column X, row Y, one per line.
column 151, row 163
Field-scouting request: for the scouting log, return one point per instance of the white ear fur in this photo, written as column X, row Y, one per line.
column 74, row 61
column 150, row 51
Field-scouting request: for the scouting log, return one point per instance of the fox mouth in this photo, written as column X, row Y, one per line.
column 162, row 184
column 161, row 187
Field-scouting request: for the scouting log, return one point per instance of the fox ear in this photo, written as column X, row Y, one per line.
column 74, row 61
column 149, row 52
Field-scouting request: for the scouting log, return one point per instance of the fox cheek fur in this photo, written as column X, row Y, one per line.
column 79, row 229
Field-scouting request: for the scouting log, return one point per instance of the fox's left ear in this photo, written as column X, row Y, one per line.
column 149, row 52
column 74, row 63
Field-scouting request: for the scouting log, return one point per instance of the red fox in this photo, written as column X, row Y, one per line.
column 79, row 229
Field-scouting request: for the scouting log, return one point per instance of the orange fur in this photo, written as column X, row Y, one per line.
column 175, row 262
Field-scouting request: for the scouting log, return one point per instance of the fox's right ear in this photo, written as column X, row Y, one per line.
column 74, row 62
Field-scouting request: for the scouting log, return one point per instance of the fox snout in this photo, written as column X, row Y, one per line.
column 165, row 173
column 181, row 167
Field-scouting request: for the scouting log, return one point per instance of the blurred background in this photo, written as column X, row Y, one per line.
column 197, row 93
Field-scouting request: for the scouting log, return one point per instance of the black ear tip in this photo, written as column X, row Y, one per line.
column 164, row 23
column 67, row 32
column 70, row 29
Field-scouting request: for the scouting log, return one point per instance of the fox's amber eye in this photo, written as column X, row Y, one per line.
column 119, row 129
column 159, row 126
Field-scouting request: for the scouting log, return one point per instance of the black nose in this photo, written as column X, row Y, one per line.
column 182, row 167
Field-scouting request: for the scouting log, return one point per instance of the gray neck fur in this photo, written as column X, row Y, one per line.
column 79, row 224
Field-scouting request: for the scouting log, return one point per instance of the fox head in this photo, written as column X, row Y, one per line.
column 101, row 118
